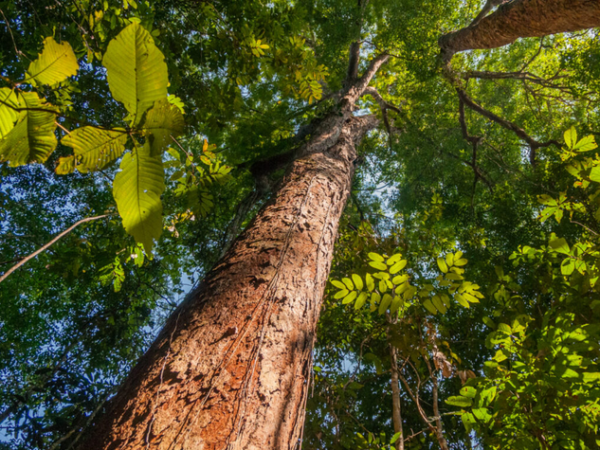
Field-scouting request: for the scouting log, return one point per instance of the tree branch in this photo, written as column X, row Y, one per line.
column 48, row 245
column 520, row 19
column 533, row 144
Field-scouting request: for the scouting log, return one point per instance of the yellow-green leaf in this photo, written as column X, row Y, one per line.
column 375, row 297
column 378, row 265
column 357, row 281
column 95, row 148
column 370, row 282
column 348, row 283
column 398, row 266
column 429, row 307
column 8, row 116
column 586, row 144
column 385, row 303
column 350, row 297
column 460, row 299
column 338, row 284
column 375, row 257
column 137, row 190
column 163, row 121
column 399, row 279
column 136, row 70
column 442, row 265
column 32, row 139
column 65, row 165
column 340, row 294
column 571, row 137
column 360, row 301
column 56, row 63
column 394, row 259
column 439, row 304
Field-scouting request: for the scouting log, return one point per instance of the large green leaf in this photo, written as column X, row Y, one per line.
column 32, row 139
column 94, row 148
column 137, row 190
column 56, row 63
column 8, row 115
column 136, row 70
column 163, row 121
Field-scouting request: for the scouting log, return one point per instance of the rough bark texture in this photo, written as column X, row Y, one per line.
column 230, row 369
column 523, row 18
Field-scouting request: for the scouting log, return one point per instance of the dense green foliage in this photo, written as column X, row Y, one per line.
column 470, row 252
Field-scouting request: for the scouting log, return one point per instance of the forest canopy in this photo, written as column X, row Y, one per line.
column 317, row 224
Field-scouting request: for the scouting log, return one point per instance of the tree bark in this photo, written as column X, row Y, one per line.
column 523, row 18
column 230, row 370
column 396, row 405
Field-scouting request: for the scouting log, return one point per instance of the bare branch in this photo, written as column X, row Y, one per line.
column 49, row 244
column 533, row 144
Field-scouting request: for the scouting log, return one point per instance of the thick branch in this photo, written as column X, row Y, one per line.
column 520, row 19
column 48, row 245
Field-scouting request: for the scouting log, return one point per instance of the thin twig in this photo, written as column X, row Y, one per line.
column 49, row 244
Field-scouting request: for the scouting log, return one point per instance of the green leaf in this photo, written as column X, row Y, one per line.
column 459, row 400
column 567, row 267
column 338, row 284
column 589, row 377
column 370, row 282
column 586, row 144
column 504, row 328
column 32, row 139
column 65, row 165
column 348, row 283
column 394, row 259
column 429, row 307
column 378, row 265
column 95, row 148
column 375, row 257
column 375, row 297
column 163, row 121
column 385, row 303
column 357, row 281
column 560, row 245
column 442, row 265
column 437, row 302
column 136, row 70
column 399, row 279
column 56, row 63
column 362, row 298
column 342, row 293
column 468, row 391
column 461, row 300
column 8, row 116
column 137, row 190
column 349, row 298
column 398, row 266
column 396, row 303
column 571, row 137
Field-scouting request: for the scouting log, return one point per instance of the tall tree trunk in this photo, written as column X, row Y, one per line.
column 230, row 370
column 523, row 18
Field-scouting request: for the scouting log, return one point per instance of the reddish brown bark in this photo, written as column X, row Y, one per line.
column 523, row 18
column 230, row 369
